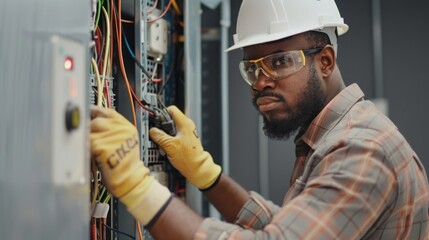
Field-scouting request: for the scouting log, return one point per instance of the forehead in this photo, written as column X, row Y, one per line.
column 295, row 42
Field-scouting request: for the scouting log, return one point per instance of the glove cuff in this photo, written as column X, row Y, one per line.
column 158, row 214
column 207, row 174
column 147, row 200
column 213, row 184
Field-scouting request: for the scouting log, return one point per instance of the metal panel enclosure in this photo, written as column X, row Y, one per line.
column 42, row 194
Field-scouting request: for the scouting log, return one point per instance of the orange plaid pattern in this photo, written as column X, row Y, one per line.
column 359, row 180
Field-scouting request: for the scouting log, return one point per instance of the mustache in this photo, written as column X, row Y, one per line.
column 266, row 94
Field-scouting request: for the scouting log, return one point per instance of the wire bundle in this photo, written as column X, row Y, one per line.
column 107, row 22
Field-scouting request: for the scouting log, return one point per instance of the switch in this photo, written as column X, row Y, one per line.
column 72, row 117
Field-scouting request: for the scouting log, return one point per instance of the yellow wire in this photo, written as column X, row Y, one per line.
column 106, row 55
column 176, row 7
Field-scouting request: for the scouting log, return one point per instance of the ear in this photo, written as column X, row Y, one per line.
column 327, row 60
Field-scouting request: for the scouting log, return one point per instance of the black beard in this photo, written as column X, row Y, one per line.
column 310, row 104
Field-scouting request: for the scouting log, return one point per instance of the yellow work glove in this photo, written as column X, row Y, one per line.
column 115, row 148
column 185, row 151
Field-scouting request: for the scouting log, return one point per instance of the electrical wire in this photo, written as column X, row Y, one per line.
column 97, row 77
column 103, row 189
column 103, row 228
column 155, row 68
column 93, row 229
column 104, row 103
column 118, row 27
column 109, row 196
column 118, row 231
column 176, row 7
column 162, row 15
column 100, row 46
column 139, row 229
column 121, row 58
column 167, row 80
column 151, row 112
column 106, row 54
column 106, row 90
column 145, row 72
column 95, row 190
column 168, row 75
column 153, row 7
column 127, row 21
column 100, row 3
column 97, row 36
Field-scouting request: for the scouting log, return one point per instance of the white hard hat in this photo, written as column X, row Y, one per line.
column 261, row 21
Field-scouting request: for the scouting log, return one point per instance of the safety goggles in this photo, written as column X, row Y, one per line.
column 275, row 66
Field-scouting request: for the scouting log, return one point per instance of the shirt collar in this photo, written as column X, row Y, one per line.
column 331, row 115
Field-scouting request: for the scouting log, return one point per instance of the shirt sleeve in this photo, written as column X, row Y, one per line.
column 348, row 192
column 256, row 213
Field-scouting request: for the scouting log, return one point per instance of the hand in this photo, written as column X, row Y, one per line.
column 185, row 151
column 115, row 148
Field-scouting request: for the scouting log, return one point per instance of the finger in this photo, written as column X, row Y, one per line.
column 159, row 136
column 99, row 124
column 97, row 112
column 100, row 112
column 95, row 146
column 179, row 118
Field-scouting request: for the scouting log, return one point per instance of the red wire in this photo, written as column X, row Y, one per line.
column 93, row 229
column 106, row 90
column 98, row 41
column 151, row 112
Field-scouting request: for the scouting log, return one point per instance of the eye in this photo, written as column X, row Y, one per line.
column 250, row 68
column 282, row 61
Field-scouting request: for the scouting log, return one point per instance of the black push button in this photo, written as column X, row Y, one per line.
column 72, row 117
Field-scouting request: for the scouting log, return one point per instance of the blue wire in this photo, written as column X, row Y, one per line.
column 134, row 56
column 128, row 45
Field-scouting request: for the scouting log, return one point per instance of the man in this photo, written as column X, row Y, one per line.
column 355, row 176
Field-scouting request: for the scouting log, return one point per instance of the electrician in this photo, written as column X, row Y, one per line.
column 355, row 176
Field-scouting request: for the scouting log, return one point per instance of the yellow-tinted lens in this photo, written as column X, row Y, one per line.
column 276, row 66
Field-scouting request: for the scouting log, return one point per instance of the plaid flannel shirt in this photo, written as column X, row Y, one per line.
column 359, row 180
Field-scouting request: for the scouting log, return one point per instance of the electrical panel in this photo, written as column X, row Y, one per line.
column 134, row 63
column 126, row 55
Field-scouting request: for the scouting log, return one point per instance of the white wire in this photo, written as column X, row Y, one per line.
column 106, row 55
column 154, row 70
column 97, row 76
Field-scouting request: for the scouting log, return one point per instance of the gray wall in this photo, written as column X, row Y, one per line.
column 32, row 203
column 405, row 45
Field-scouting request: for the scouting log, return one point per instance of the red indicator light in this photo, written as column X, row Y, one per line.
column 68, row 64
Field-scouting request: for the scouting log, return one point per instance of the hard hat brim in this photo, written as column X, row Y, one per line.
column 255, row 40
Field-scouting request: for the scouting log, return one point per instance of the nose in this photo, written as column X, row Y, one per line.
column 263, row 80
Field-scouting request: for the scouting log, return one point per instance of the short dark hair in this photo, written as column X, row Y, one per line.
column 317, row 39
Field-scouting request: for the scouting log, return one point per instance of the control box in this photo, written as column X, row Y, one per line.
column 69, row 132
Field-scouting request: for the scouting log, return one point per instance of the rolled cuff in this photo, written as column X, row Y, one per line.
column 145, row 202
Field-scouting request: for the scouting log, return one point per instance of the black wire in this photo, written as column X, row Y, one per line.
column 116, row 230
column 172, row 68
column 134, row 57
